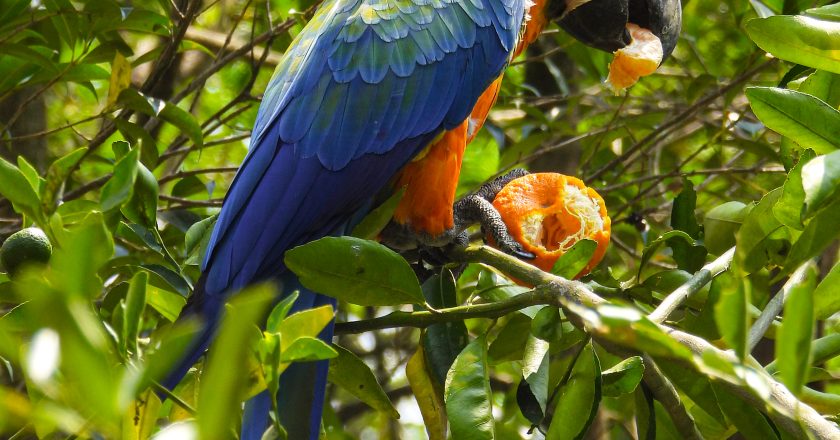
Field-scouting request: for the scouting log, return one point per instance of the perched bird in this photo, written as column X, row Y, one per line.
column 372, row 95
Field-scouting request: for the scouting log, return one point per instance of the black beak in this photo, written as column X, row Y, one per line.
column 601, row 23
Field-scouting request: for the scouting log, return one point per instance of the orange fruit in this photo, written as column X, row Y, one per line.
column 547, row 213
column 639, row 58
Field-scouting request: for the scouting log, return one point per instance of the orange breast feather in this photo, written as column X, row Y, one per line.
column 432, row 178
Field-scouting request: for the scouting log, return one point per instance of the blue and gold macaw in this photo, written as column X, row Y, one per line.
column 371, row 95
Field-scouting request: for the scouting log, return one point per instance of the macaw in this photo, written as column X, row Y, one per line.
column 373, row 95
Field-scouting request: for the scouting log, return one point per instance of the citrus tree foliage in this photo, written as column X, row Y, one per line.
column 712, row 313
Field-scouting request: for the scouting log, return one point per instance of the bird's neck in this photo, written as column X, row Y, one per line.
column 534, row 24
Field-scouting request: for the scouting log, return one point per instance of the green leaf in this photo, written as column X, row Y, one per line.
column 354, row 270
column 799, row 39
column 818, row 234
column 279, row 313
column 827, row 294
column 731, row 312
column 820, row 180
column 168, row 112
column 535, row 370
column 578, row 398
column 653, row 246
column 827, row 12
column 428, row 398
column 307, row 349
column 139, row 136
column 721, row 224
column 222, row 383
column 509, row 344
column 188, row 186
column 793, row 339
column 682, row 211
column 135, row 302
column 15, row 187
column 823, row 85
column 760, row 236
column 57, row 173
column 624, row 377
column 789, row 209
column 184, row 121
column 547, row 324
column 697, row 386
column 142, row 206
column 306, row 323
column 479, row 164
column 168, row 304
column 442, row 342
column 31, row 174
column 803, row 118
column 628, row 327
column 120, row 186
column 169, row 344
column 197, row 238
column 468, row 396
column 81, row 252
column 168, row 278
column 373, row 223
column 352, row 374
column 751, row 423
column 571, row 263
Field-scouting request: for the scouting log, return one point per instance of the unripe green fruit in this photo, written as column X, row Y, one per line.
column 27, row 246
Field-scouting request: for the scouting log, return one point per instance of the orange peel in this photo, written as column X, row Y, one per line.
column 547, row 213
column 639, row 58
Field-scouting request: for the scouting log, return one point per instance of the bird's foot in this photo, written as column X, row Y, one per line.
column 478, row 208
column 474, row 208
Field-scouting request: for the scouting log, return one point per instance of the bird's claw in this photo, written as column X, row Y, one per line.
column 475, row 208
column 478, row 208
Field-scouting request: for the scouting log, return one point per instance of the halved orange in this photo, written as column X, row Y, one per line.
column 547, row 213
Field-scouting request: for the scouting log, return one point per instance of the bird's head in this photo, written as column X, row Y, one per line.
column 602, row 23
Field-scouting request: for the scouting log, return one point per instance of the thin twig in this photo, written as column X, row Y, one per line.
column 663, row 390
column 702, row 277
column 774, row 307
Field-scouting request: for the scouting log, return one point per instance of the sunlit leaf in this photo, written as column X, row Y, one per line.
column 793, row 340
column 222, row 383
column 800, row 39
column 578, row 398
column 803, row 118
column 373, row 223
column 623, row 377
column 352, row 374
column 575, row 259
column 721, row 224
column 307, row 349
column 827, row 294
column 820, row 180
column 534, row 386
column 15, row 188
column 731, row 312
column 120, row 186
column 135, row 302
column 430, row 403
column 467, row 394
column 442, row 342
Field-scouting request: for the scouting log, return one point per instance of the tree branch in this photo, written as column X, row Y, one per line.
column 785, row 410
